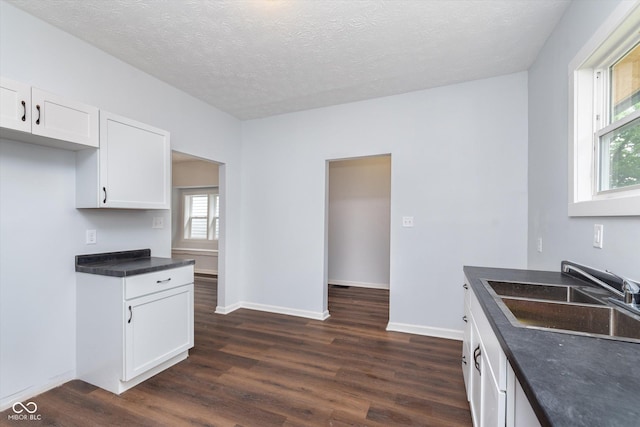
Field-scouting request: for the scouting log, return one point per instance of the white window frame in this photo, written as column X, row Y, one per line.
column 588, row 115
column 213, row 221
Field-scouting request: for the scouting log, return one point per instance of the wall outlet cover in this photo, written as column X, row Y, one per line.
column 158, row 222
column 407, row 221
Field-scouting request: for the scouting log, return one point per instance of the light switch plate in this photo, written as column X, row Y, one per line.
column 91, row 237
column 598, row 231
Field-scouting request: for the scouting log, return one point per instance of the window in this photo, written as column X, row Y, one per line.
column 618, row 143
column 201, row 214
column 605, row 108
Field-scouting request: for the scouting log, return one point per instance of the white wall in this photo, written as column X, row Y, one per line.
column 41, row 231
column 459, row 166
column 564, row 237
column 194, row 173
column 359, row 214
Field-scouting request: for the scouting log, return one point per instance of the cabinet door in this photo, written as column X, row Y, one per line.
column 15, row 108
column 467, row 363
column 135, row 163
column 519, row 410
column 494, row 401
column 56, row 117
column 157, row 328
column 475, row 375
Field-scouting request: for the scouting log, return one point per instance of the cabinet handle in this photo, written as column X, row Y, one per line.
column 105, row 194
column 24, row 114
column 465, row 286
column 164, row 281
column 464, row 359
column 130, row 315
column 476, row 354
column 465, row 318
column 38, row 119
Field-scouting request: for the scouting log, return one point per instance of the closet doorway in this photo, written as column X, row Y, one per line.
column 358, row 223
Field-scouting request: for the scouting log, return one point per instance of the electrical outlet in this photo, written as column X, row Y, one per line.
column 598, row 232
column 407, row 221
column 158, row 222
column 91, row 237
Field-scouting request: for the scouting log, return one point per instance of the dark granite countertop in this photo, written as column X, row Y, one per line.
column 126, row 263
column 570, row 380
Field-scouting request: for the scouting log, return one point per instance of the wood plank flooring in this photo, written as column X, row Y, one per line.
column 250, row 368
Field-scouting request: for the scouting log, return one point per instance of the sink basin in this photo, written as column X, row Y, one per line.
column 544, row 292
column 563, row 309
column 589, row 319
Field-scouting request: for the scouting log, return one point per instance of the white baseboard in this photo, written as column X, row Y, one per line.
column 228, row 309
column 273, row 309
column 29, row 393
column 288, row 311
column 451, row 334
column 359, row 284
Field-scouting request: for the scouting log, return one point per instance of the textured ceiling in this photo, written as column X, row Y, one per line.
column 256, row 58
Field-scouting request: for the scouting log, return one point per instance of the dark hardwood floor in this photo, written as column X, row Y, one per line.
column 250, row 368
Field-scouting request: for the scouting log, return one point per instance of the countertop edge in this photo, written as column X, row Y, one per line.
column 109, row 270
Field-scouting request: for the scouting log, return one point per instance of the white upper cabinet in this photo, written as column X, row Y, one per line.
column 53, row 116
column 15, row 105
column 131, row 170
column 32, row 115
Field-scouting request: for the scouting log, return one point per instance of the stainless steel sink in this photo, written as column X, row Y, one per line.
column 563, row 309
column 544, row 292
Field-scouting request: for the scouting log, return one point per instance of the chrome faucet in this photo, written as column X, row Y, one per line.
column 628, row 296
column 631, row 290
column 569, row 267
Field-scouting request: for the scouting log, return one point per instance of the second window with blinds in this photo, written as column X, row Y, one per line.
column 201, row 214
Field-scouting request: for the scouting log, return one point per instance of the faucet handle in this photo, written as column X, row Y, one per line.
column 631, row 291
column 630, row 288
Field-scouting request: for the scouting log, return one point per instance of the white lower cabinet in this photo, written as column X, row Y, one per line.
column 159, row 327
column 495, row 396
column 131, row 328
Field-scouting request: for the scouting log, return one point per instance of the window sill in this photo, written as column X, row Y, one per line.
column 620, row 206
column 191, row 250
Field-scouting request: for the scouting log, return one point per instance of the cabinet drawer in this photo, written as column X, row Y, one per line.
column 157, row 281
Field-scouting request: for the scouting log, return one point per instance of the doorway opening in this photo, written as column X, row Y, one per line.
column 358, row 222
column 197, row 217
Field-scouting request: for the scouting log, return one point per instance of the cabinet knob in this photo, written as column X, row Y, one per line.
column 38, row 119
column 24, row 114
